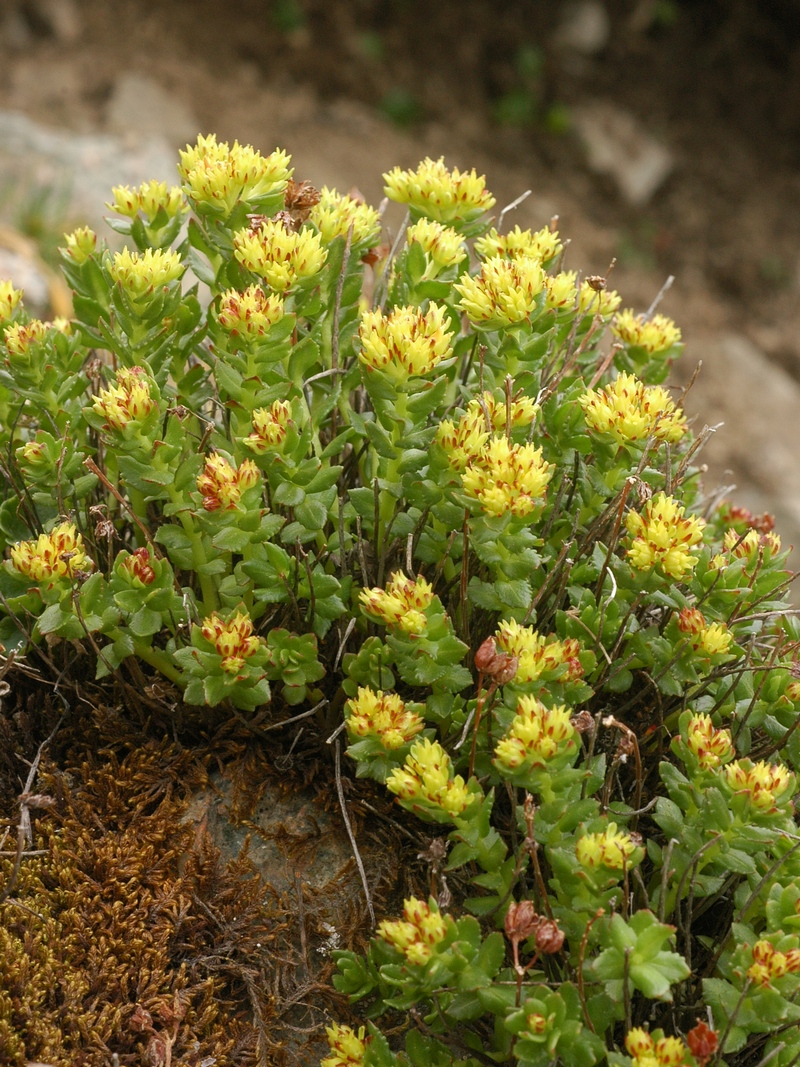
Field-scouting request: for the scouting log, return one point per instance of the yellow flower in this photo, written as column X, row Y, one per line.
column 665, row 1052
column 347, row 1047
column 536, row 735
column 81, row 244
column 219, row 175
column 233, row 639
column 251, row 313
column 405, row 342
column 711, row 747
column 765, row 782
column 663, row 537
column 535, row 1024
column 418, row 933
column 561, row 290
column 222, row 485
column 750, row 546
column 58, row 554
column 22, row 336
column 462, row 441
column 629, row 410
column 154, row 195
column 140, row 273
column 437, row 193
column 508, row 477
column 503, row 293
column 335, row 214
column 426, row 778
column 401, row 603
column 443, row 246
column 598, row 301
column 269, row 427
column 125, row 202
column 653, row 335
column 137, row 567
column 382, row 715
column 769, row 964
column 521, row 412
column 544, row 244
column 127, row 401
column 537, row 654
column 612, row 848
column 280, row 256
column 9, row 298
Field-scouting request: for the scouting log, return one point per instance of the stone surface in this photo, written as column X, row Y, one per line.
column 619, row 146
column 71, row 175
column 141, row 109
column 584, row 27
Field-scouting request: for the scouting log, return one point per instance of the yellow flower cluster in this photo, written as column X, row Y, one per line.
column 765, row 782
column 405, row 342
column 561, row 290
column 629, row 410
column 438, row 193
column 653, row 335
column 54, row 555
column 612, row 848
column 464, row 441
column 347, row 1047
column 712, row 639
column 9, row 298
column 507, row 477
column 711, row 747
column 81, row 244
column 662, row 537
column 664, row 1052
column 21, row 336
column 521, row 412
column 418, row 933
column 426, row 778
column 269, row 427
column 769, row 964
column 127, row 401
column 537, row 654
column 503, row 293
column 139, row 273
column 382, row 715
column 401, row 603
column 334, row 214
column 543, row 245
column 220, row 175
column 233, row 639
column 752, row 542
column 597, row 301
column 536, row 735
column 222, row 485
column 149, row 198
column 443, row 246
column 251, row 313
column 281, row 257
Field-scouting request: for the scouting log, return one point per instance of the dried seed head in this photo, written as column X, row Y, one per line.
column 549, row 937
column 521, row 921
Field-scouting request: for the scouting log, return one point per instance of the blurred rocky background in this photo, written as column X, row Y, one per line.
column 665, row 134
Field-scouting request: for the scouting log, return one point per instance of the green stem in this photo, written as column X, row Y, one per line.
column 160, row 661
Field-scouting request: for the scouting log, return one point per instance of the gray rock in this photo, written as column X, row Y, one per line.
column 584, row 27
column 619, row 146
column 140, row 108
column 71, row 175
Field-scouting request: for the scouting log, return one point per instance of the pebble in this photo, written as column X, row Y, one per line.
column 619, row 146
